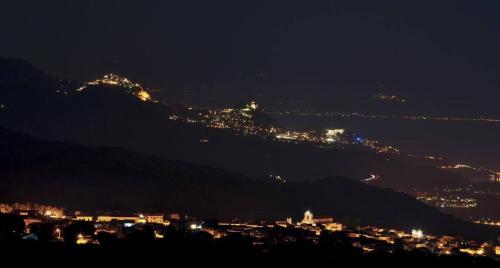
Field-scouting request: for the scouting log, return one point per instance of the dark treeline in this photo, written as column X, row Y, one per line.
column 202, row 248
column 139, row 248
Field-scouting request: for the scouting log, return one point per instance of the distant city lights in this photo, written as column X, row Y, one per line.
column 116, row 80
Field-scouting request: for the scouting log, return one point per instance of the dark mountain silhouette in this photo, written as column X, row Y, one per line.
column 107, row 116
column 104, row 178
column 21, row 75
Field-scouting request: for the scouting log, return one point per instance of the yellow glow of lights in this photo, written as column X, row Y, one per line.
column 158, row 236
column 253, row 105
column 143, row 95
column 195, row 226
column 417, row 233
column 472, row 251
column 335, row 132
column 81, row 240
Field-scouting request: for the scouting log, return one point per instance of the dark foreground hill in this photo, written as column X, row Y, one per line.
column 100, row 178
column 49, row 108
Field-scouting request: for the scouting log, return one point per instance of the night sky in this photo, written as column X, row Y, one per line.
column 327, row 49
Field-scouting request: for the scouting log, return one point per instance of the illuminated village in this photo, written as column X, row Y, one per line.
column 118, row 81
column 244, row 120
column 261, row 233
column 446, row 201
column 251, row 119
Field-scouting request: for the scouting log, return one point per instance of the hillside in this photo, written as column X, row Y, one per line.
column 106, row 116
column 103, row 178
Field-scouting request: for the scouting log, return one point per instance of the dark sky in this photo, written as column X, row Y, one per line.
column 301, row 48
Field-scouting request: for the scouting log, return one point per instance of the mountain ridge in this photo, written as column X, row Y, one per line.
column 103, row 117
column 100, row 178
